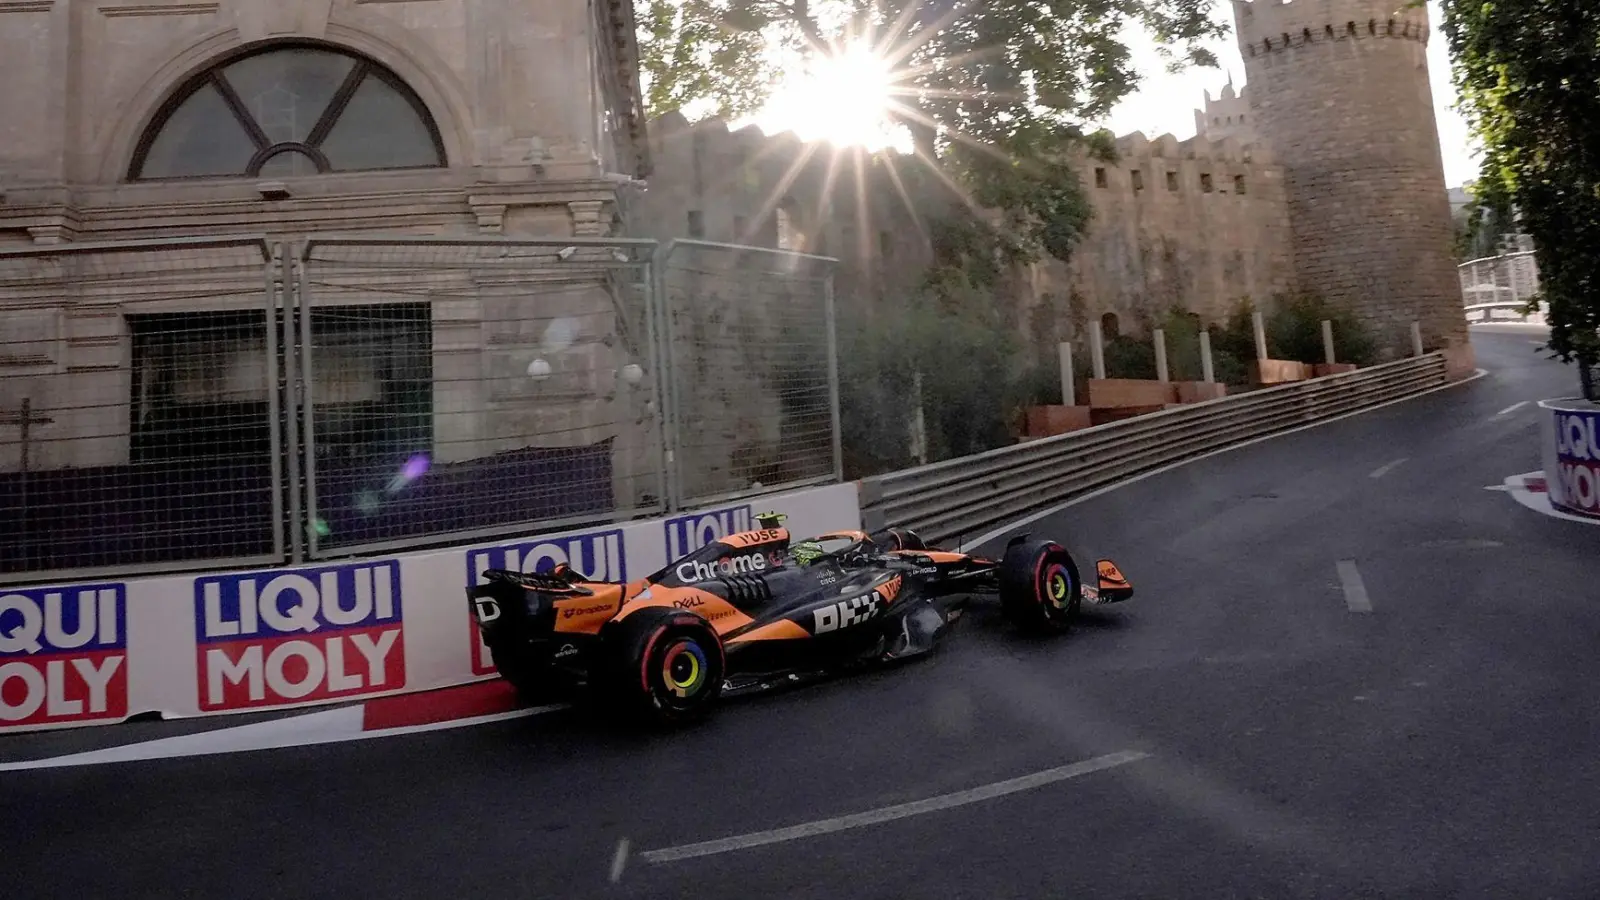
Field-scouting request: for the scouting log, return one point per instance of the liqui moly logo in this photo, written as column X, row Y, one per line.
column 296, row 636
column 63, row 655
column 1577, row 483
column 596, row 555
column 692, row 531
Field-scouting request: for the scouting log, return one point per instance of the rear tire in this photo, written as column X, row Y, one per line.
column 660, row 666
column 1040, row 590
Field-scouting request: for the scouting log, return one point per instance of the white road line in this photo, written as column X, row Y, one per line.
column 1389, row 467
column 619, row 860
column 891, row 813
column 330, row 727
column 1355, row 590
column 968, row 546
column 1511, row 409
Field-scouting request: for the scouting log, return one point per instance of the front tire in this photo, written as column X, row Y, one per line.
column 660, row 666
column 1039, row 587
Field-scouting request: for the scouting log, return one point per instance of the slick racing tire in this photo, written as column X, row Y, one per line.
column 660, row 666
column 1039, row 587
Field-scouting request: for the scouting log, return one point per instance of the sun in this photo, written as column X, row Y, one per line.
column 844, row 98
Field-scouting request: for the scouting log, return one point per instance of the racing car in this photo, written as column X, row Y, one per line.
column 756, row 609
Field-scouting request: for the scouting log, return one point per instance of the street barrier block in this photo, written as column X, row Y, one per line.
column 1128, row 393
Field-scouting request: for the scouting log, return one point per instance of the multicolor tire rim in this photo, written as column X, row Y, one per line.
column 1057, row 586
column 684, row 668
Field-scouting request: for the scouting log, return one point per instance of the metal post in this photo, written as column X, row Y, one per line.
column 833, row 374
column 1207, row 373
column 274, row 269
column 1327, row 342
column 1416, row 338
column 669, row 405
column 652, row 304
column 1097, row 350
column 308, row 411
column 919, row 423
column 1160, row 338
column 294, row 284
column 1260, row 326
column 1068, row 389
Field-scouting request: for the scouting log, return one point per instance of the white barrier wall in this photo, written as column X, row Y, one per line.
column 96, row 653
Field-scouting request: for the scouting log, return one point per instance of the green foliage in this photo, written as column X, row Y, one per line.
column 994, row 92
column 1527, row 72
column 1487, row 216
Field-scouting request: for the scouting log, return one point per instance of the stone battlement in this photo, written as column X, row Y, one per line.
column 1269, row 26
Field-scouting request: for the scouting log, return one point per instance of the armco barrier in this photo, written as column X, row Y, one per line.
column 98, row 652
column 963, row 497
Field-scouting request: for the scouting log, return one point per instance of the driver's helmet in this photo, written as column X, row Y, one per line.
column 770, row 519
column 805, row 553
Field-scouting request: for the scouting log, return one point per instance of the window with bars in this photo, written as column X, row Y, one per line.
column 287, row 111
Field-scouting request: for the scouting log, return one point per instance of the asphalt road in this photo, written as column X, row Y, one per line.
column 1441, row 744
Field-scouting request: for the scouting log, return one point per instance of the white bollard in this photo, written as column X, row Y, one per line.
column 1327, row 342
column 1260, row 326
column 1159, row 336
column 1416, row 338
column 1068, row 394
column 1207, row 374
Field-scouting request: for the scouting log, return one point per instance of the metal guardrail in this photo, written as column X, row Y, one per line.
column 1479, row 313
column 962, row 497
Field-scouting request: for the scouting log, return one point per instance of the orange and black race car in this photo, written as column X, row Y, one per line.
column 754, row 610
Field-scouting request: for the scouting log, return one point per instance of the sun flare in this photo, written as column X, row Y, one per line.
column 844, row 99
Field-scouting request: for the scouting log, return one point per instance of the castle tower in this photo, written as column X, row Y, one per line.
column 1228, row 116
column 1339, row 90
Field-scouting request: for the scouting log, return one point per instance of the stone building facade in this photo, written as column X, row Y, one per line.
column 162, row 120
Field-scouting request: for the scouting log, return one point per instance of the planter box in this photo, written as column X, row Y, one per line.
column 1278, row 371
column 1127, row 393
column 1047, row 421
column 1201, row 391
column 1117, row 414
column 1324, row 369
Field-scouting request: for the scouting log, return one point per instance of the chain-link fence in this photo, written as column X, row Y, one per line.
column 469, row 387
column 188, row 403
column 139, row 406
column 1497, row 288
column 752, row 354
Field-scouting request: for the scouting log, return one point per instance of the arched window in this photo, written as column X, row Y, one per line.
column 288, row 110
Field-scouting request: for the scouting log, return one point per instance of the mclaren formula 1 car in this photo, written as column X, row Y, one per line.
column 755, row 609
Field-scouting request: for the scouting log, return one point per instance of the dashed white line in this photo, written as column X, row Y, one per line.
column 619, row 860
column 1385, row 469
column 1355, row 590
column 890, row 813
column 1511, row 409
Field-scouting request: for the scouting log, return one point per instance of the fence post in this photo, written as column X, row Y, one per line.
column 833, row 373
column 669, row 380
column 1259, row 325
column 1097, row 349
column 1416, row 338
column 273, row 271
column 1068, row 389
column 1159, row 338
column 655, row 290
column 1327, row 342
column 1207, row 372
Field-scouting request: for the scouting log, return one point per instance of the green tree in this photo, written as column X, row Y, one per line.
column 994, row 91
column 1528, row 72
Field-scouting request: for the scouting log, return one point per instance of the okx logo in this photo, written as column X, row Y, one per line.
column 63, row 655
column 596, row 555
column 273, row 638
column 692, row 531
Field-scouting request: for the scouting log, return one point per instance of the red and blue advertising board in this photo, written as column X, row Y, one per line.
column 1573, row 471
column 63, row 655
column 295, row 636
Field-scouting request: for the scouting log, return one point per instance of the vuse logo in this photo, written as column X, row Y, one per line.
column 279, row 637
column 63, row 655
